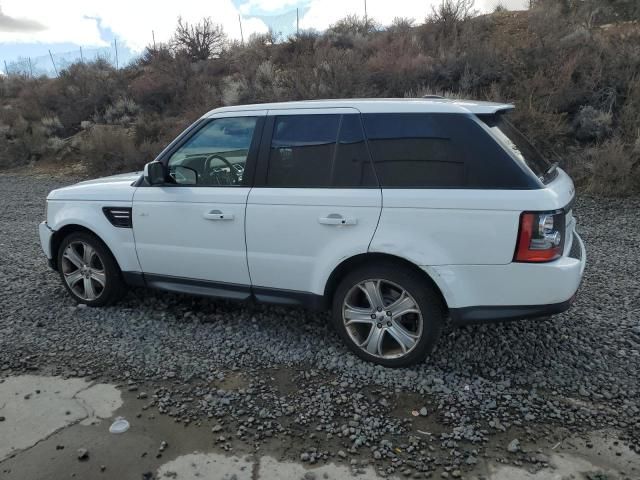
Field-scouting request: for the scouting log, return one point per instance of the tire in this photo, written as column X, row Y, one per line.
column 385, row 338
column 91, row 276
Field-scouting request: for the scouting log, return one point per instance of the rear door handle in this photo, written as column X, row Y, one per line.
column 337, row 219
column 217, row 215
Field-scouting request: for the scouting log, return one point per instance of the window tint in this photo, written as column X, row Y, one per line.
column 414, row 150
column 302, row 150
column 518, row 144
column 327, row 150
column 216, row 155
column 352, row 167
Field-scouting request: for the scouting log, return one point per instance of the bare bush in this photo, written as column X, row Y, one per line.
column 200, row 41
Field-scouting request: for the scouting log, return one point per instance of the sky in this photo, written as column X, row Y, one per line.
column 30, row 28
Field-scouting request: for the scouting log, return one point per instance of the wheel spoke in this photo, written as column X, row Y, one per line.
column 71, row 255
column 99, row 276
column 89, row 292
column 405, row 339
column 373, row 343
column 87, row 254
column 405, row 304
column 371, row 289
column 73, row 278
column 357, row 315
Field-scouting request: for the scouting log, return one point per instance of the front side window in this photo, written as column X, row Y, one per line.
column 414, row 150
column 216, row 155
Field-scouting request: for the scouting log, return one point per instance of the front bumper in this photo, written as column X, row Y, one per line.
column 45, row 242
column 485, row 293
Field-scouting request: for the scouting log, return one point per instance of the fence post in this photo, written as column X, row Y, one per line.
column 241, row 35
column 54, row 63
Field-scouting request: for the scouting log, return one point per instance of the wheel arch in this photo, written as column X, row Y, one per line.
column 63, row 232
column 356, row 261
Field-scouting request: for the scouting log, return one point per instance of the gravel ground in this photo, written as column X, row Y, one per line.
column 258, row 373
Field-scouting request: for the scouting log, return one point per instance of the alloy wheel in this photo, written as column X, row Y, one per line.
column 83, row 270
column 382, row 318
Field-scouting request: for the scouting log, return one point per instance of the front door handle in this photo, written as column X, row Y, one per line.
column 217, row 215
column 337, row 219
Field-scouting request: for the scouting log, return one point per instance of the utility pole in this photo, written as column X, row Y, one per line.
column 115, row 45
column 366, row 22
column 241, row 34
column 153, row 37
column 6, row 69
column 297, row 22
column 30, row 68
column 81, row 56
column 54, row 63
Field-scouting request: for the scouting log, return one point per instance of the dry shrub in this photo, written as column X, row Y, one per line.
column 611, row 168
column 110, row 149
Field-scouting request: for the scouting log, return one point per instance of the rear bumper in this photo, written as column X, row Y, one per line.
column 486, row 293
column 475, row 315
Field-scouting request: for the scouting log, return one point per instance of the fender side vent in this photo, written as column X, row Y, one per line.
column 118, row 216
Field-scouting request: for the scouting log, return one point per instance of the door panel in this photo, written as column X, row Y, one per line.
column 291, row 246
column 193, row 227
column 316, row 201
column 179, row 234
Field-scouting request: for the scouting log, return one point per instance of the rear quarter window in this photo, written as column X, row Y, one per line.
column 440, row 150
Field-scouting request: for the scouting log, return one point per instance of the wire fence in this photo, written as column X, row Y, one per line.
column 283, row 24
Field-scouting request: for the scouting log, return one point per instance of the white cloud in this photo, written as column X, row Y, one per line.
column 267, row 5
column 323, row 13
column 131, row 21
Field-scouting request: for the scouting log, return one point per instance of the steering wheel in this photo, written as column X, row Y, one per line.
column 207, row 166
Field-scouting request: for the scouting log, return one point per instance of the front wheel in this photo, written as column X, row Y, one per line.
column 89, row 271
column 388, row 314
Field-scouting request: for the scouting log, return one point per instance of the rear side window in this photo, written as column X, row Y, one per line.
column 440, row 150
column 413, row 150
column 518, row 144
column 325, row 150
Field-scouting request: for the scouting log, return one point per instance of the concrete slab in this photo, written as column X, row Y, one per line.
column 35, row 407
column 212, row 466
column 272, row 469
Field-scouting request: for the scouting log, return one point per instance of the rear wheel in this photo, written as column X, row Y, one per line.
column 388, row 314
column 89, row 271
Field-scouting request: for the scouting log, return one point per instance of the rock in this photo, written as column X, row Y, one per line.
column 342, row 454
column 2, row 419
column 83, row 454
column 424, row 412
column 305, row 457
column 456, row 474
column 514, row 446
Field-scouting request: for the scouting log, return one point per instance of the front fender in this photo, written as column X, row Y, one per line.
column 89, row 214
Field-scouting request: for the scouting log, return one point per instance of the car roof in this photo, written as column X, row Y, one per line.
column 380, row 105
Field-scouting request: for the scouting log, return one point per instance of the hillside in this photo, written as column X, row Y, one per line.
column 572, row 73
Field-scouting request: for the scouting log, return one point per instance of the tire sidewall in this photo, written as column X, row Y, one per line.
column 429, row 303
column 113, row 281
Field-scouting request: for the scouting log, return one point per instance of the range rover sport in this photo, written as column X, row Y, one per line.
column 392, row 214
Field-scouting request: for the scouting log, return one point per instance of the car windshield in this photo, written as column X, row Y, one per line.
column 519, row 145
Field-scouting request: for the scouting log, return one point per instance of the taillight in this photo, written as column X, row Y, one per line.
column 541, row 236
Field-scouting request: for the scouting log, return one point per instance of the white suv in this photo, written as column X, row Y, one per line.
column 393, row 214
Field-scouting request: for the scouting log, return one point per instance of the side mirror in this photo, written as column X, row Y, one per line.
column 155, row 173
